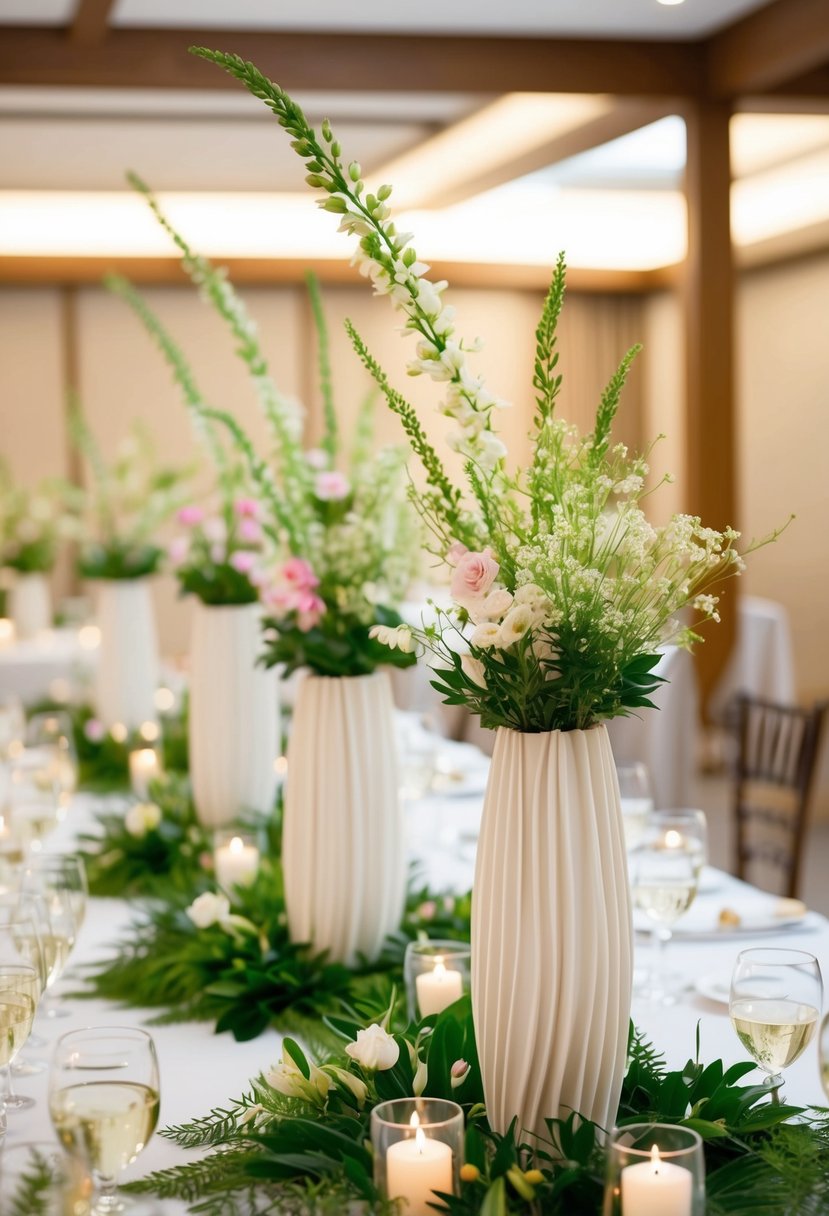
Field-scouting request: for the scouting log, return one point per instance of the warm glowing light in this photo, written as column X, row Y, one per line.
column 656, row 1160
column 164, row 700
column 670, row 3
column 440, row 970
column 415, row 1120
column 236, row 844
column 60, row 690
column 280, row 766
column 149, row 731
column 89, row 637
column 673, row 839
column 119, row 732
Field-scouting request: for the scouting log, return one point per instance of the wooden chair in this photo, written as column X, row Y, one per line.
column 778, row 748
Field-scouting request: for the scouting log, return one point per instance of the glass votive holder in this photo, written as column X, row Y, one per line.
column 418, row 1150
column 436, row 974
column 236, row 857
column 655, row 1169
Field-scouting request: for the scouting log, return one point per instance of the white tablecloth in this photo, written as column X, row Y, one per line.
column 762, row 662
column 30, row 669
column 200, row 1070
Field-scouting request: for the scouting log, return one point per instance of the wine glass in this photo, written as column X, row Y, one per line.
column 824, row 1055
column 636, row 798
column 103, row 1100
column 21, row 942
column 665, row 868
column 62, row 902
column 66, row 871
column 32, row 800
column 775, row 1003
column 51, row 736
column 19, row 993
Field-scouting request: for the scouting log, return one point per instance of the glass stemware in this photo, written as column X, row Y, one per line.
column 32, row 803
column 50, row 735
column 775, row 1002
column 39, row 1173
column 636, row 798
column 63, row 905
column 104, row 1100
column 21, row 942
column 665, row 869
column 824, row 1055
column 19, row 993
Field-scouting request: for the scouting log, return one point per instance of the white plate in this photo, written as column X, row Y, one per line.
column 702, row 924
column 715, row 987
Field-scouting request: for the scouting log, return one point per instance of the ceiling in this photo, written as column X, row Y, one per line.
column 484, row 174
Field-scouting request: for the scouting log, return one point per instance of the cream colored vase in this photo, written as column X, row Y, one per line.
column 234, row 715
column 126, row 678
column 343, row 840
column 30, row 605
column 552, row 941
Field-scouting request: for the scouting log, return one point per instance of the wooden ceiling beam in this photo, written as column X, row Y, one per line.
column 778, row 43
column 147, row 58
column 91, row 21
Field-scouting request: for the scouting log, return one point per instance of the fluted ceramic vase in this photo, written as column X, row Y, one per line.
column 343, row 840
column 234, row 715
column 552, row 941
column 126, row 677
column 30, row 604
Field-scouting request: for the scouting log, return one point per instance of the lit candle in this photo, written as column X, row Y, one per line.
column 438, row 988
column 145, row 766
column 236, row 862
column 6, row 633
column 416, row 1168
column 656, row 1188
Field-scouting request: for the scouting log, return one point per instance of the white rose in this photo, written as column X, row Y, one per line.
column 486, row 634
column 209, row 909
column 141, row 818
column 375, row 1049
column 531, row 594
column 473, row 669
column 497, row 603
column 515, row 624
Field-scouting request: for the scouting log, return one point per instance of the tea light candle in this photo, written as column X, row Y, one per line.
column 145, row 766
column 236, row 863
column 7, row 633
column 438, row 988
column 416, row 1168
column 656, row 1188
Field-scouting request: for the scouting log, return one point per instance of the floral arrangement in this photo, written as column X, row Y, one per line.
column 125, row 505
column 562, row 590
column 32, row 522
column 339, row 520
column 220, row 557
column 299, row 1141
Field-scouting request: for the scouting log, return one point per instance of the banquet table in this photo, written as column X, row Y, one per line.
column 200, row 1070
column 46, row 666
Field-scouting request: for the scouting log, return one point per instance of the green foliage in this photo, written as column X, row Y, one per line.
column 336, row 646
column 217, row 583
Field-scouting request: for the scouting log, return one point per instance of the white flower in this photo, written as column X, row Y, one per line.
column 141, row 818
column 396, row 639
column 209, row 909
column 530, row 594
column 287, row 1078
column 515, row 624
column 347, row 1080
column 473, row 669
column 497, row 603
column 375, row 1049
column 486, row 634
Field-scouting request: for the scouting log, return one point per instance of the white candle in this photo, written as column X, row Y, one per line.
column 656, row 1188
column 236, row 863
column 415, row 1169
column 438, row 988
column 144, row 768
column 6, row 632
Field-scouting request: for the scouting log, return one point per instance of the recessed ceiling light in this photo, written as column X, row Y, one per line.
column 668, row 3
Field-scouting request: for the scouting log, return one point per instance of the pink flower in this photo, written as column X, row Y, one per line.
column 331, row 486
column 243, row 561
column 178, row 550
column 298, row 574
column 248, row 508
column 455, row 552
column 249, row 530
column 94, row 730
column 190, row 516
column 474, row 575
column 309, row 610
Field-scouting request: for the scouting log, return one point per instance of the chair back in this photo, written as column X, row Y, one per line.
column 776, row 760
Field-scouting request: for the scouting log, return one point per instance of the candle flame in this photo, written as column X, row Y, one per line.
column 415, row 1120
column 656, row 1160
column 673, row 839
column 420, row 1140
column 236, row 844
column 440, row 969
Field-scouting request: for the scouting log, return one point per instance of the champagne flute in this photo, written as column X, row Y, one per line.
column 51, row 736
column 775, row 1003
column 32, row 801
column 20, row 942
column 636, row 799
column 104, row 1099
column 68, row 872
column 665, row 870
column 19, row 992
column 60, row 903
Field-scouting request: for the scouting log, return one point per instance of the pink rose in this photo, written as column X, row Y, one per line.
column 249, row 530
column 298, row 573
column 309, row 610
column 455, row 552
column 474, row 575
column 243, row 561
column 248, row 508
column 331, row 486
column 190, row 516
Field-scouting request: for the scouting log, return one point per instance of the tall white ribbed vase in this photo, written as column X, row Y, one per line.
column 342, row 838
column 552, row 941
column 234, row 715
column 126, row 677
column 30, row 604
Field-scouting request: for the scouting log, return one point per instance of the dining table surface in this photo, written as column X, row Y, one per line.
column 443, row 796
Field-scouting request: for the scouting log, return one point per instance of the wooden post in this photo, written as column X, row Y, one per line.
column 709, row 354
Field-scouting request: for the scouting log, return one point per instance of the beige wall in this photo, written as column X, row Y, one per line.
column 122, row 376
